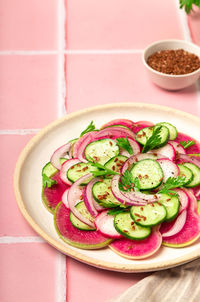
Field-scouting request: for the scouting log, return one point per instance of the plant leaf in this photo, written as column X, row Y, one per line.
column 90, row 127
column 153, row 141
column 124, row 144
column 47, row 182
column 172, row 183
column 187, row 144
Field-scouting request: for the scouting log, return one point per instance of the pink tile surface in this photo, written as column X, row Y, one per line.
column 27, row 272
column 194, row 25
column 28, row 25
column 103, row 24
column 92, row 284
column 11, row 221
column 100, row 79
column 29, row 95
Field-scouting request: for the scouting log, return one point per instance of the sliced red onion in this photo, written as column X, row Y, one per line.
column 116, row 132
column 146, row 123
column 189, row 159
column 168, row 151
column 177, row 147
column 105, row 224
column 177, row 226
column 135, row 147
column 75, row 193
column 60, row 152
column 65, row 167
column 183, row 199
column 135, row 158
column 123, row 122
column 170, row 169
column 130, row 198
column 91, row 204
column 65, row 198
column 80, row 145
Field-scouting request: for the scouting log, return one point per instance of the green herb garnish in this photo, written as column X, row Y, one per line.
column 90, row 127
column 153, row 141
column 172, row 183
column 194, row 154
column 124, row 144
column 187, row 144
column 47, row 182
column 127, row 182
column 116, row 210
column 102, row 170
column 187, row 4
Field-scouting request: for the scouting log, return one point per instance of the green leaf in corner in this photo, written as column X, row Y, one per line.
column 187, row 144
column 47, row 182
column 153, row 141
column 124, row 144
column 172, row 183
column 90, row 127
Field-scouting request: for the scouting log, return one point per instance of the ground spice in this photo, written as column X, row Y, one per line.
column 174, row 62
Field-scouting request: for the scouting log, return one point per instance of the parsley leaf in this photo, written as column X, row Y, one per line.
column 153, row 141
column 124, row 144
column 90, row 127
column 187, row 144
column 127, row 182
column 47, row 182
column 116, row 210
column 187, row 4
column 102, row 170
column 172, row 183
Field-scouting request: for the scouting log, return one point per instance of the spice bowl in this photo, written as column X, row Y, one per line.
column 171, row 81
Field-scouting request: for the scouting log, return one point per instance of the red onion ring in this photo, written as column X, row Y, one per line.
column 65, row 167
column 177, row 226
column 60, row 152
column 105, row 224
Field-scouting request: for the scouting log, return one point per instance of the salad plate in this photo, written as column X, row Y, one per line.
column 28, row 181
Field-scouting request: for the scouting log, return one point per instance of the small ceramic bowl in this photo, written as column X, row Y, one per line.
column 167, row 81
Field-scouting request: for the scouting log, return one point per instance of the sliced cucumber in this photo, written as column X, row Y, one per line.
column 148, row 215
column 116, row 163
column 125, row 225
column 196, row 175
column 172, row 130
column 102, row 193
column 49, row 169
column 84, row 212
column 171, row 204
column 144, row 134
column 149, row 173
column 80, row 169
column 102, row 150
column 185, row 172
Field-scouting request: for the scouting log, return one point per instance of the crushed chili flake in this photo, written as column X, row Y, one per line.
column 110, row 143
column 175, row 62
column 116, row 159
column 138, row 219
column 141, row 208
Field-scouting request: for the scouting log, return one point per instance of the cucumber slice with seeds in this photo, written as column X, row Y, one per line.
column 196, row 175
column 185, row 172
column 144, row 134
column 125, row 225
column 171, row 204
column 172, row 130
column 49, row 169
column 102, row 193
column 149, row 173
column 76, row 222
column 116, row 163
column 80, row 169
column 102, row 150
column 148, row 215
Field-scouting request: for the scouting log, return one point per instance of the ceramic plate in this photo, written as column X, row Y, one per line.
column 28, row 182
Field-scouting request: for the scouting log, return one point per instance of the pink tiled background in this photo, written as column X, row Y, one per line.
column 56, row 57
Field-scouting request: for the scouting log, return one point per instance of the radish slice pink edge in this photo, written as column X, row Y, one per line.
column 60, row 152
column 74, row 194
column 183, row 199
column 90, row 203
column 65, row 167
column 105, row 224
column 170, row 169
column 177, row 226
column 168, row 151
column 177, row 147
column 123, row 122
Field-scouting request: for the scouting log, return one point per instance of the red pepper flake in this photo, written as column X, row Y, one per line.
column 81, row 197
column 109, row 188
column 78, row 170
column 152, row 204
column 133, row 227
column 144, row 218
column 121, row 161
column 139, row 219
column 160, row 204
column 140, row 176
column 141, row 208
column 110, row 143
column 132, row 223
column 125, row 231
column 85, row 168
column 96, row 158
column 78, row 165
column 116, row 159
column 119, row 165
column 113, row 168
column 168, row 199
column 72, row 167
column 136, row 214
column 146, row 176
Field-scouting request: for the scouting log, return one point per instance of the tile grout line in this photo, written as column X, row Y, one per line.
column 20, row 239
column 187, row 36
column 61, row 277
column 19, row 131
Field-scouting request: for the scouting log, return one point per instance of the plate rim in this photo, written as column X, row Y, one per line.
column 128, row 268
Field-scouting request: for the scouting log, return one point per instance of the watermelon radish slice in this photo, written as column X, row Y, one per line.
column 138, row 249
column 191, row 230
column 177, row 147
column 168, row 151
column 177, row 225
column 170, row 169
column 75, row 237
column 52, row 196
column 105, row 224
column 124, row 122
column 183, row 199
column 140, row 125
column 193, row 149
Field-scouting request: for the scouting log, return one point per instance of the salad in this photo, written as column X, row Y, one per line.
column 132, row 186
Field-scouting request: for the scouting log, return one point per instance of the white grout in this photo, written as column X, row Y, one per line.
column 61, row 278
column 19, row 131
column 103, row 51
column 26, row 239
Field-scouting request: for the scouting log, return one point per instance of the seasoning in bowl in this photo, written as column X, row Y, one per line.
column 174, row 62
